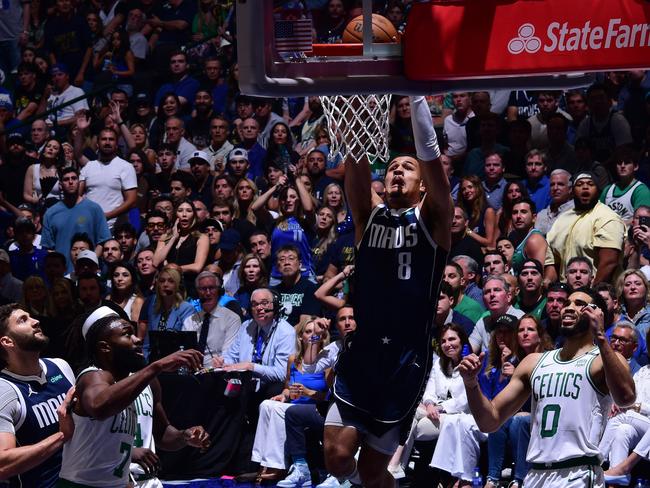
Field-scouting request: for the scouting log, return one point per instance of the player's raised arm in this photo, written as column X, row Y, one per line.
column 437, row 205
column 611, row 370
column 358, row 193
column 490, row 415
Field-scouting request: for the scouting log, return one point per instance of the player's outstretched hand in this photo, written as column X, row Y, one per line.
column 66, row 424
column 147, row 459
column 191, row 359
column 469, row 368
column 197, row 437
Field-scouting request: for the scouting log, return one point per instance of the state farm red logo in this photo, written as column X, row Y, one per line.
column 566, row 37
column 525, row 41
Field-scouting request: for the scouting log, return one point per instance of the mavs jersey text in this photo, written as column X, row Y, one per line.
column 28, row 410
column 385, row 362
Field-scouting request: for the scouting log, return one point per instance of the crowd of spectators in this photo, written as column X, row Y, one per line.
column 135, row 175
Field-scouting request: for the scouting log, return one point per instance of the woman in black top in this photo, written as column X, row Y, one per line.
column 184, row 245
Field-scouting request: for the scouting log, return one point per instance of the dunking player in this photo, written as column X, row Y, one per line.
column 402, row 248
column 104, row 415
column 567, row 384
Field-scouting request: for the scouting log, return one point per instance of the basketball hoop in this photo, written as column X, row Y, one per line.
column 357, row 125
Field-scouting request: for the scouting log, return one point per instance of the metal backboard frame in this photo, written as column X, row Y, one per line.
column 379, row 69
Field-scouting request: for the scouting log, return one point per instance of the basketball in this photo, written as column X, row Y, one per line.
column 382, row 30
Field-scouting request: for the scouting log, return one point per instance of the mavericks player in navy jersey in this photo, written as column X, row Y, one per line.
column 402, row 248
column 34, row 395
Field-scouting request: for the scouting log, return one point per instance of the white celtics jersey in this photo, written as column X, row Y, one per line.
column 144, row 429
column 99, row 452
column 564, row 397
column 622, row 204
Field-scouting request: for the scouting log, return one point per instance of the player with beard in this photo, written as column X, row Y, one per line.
column 34, row 424
column 591, row 229
column 104, row 414
column 402, row 248
column 567, row 385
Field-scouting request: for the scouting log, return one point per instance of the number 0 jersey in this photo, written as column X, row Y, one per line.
column 99, row 452
column 564, row 397
column 384, row 364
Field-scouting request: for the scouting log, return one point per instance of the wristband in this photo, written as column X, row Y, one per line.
column 424, row 135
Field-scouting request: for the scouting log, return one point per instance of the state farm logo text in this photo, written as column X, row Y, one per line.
column 563, row 37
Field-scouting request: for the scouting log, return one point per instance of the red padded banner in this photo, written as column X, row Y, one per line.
column 478, row 38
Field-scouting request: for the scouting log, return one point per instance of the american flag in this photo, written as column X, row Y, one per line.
column 293, row 35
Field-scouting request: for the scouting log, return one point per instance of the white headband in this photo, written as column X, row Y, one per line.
column 100, row 313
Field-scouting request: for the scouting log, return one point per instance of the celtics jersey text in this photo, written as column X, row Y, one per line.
column 564, row 397
column 384, row 364
column 99, row 452
column 144, row 429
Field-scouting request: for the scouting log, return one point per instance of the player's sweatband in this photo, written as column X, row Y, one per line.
column 426, row 141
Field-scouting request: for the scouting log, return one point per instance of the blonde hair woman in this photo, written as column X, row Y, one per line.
column 167, row 308
column 245, row 194
column 633, row 293
column 300, row 387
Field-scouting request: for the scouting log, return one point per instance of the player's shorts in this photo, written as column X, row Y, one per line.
column 576, row 477
column 386, row 444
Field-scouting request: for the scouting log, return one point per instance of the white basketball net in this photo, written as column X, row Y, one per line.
column 357, row 126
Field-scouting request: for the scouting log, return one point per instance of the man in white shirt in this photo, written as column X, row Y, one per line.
column 219, row 147
column 62, row 94
column 454, row 126
column 109, row 181
column 497, row 297
column 216, row 327
column 561, row 200
column 174, row 133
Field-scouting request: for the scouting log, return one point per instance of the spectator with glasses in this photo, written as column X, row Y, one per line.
column 155, row 227
column 627, row 428
column 216, row 327
column 625, row 339
column 263, row 345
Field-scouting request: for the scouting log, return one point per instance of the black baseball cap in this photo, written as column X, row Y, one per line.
column 506, row 321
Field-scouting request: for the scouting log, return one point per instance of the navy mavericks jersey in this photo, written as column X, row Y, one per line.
column 39, row 398
column 384, row 364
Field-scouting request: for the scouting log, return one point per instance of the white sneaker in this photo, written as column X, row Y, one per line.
column 330, row 482
column 297, row 478
column 397, row 472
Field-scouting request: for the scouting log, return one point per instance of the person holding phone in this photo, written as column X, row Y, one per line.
column 637, row 252
column 300, row 387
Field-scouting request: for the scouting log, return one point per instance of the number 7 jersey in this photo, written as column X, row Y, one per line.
column 99, row 452
column 564, row 399
column 384, row 364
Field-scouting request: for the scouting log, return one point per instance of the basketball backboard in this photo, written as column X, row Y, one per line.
column 278, row 58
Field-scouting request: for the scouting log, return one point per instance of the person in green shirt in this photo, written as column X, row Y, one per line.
column 465, row 305
column 531, row 299
column 628, row 193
